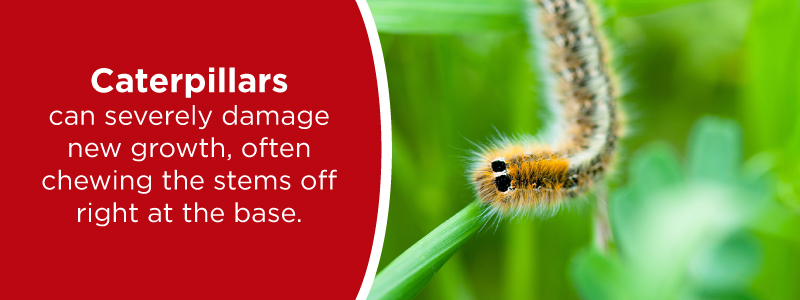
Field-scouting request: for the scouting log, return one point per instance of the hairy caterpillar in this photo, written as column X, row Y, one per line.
column 536, row 175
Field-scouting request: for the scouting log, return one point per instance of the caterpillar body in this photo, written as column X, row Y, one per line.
column 524, row 175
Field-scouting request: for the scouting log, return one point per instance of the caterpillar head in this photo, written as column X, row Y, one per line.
column 511, row 179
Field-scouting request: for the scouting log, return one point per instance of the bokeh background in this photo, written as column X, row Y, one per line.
column 458, row 69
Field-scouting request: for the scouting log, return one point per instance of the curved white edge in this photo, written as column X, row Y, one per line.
column 386, row 149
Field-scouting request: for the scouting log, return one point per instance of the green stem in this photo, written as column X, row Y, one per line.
column 411, row 271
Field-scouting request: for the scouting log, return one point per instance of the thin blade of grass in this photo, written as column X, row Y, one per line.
column 446, row 17
column 409, row 272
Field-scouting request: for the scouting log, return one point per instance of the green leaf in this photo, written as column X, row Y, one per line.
column 681, row 238
column 715, row 150
column 729, row 265
column 655, row 167
column 409, row 272
column 652, row 169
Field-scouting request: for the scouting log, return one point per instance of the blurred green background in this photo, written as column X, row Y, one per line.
column 457, row 69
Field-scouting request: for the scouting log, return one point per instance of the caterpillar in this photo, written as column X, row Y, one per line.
column 535, row 175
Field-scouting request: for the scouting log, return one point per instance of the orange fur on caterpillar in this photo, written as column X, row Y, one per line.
column 536, row 175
